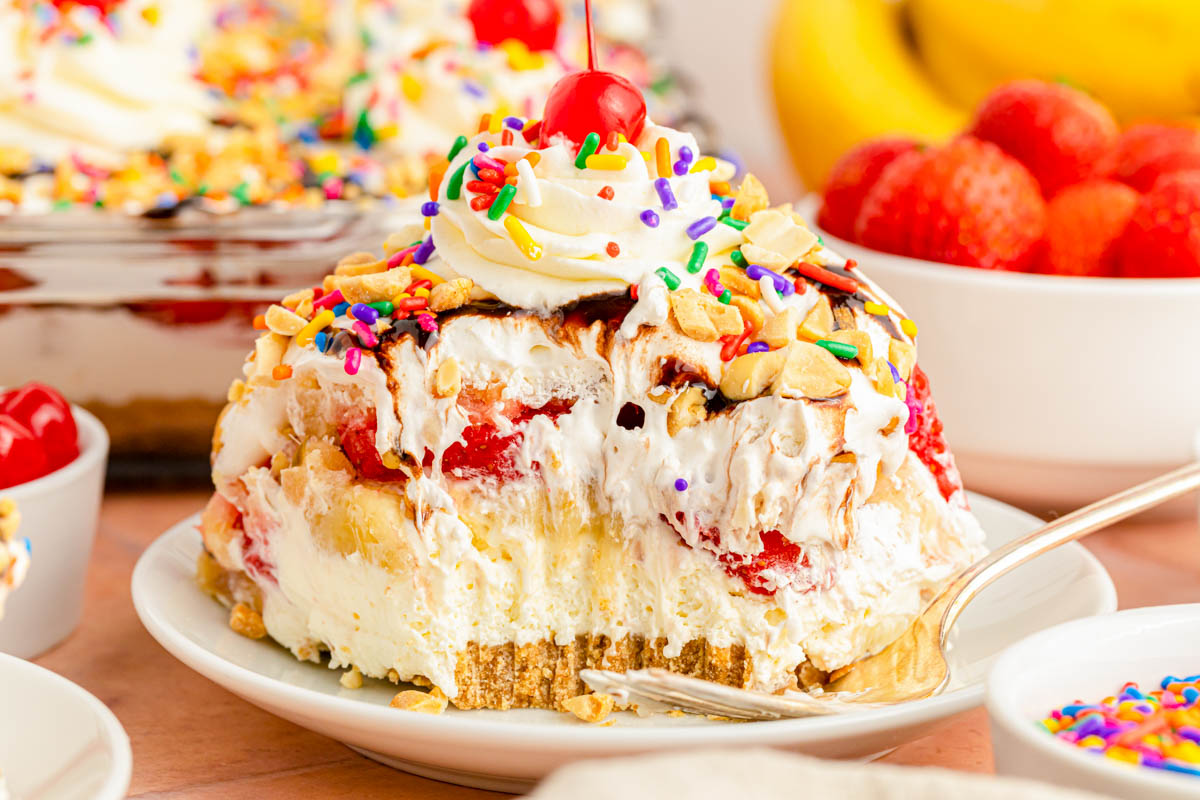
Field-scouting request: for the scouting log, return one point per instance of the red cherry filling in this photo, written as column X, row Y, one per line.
column 593, row 101
column 485, row 453
column 358, row 442
column 928, row 440
column 534, row 22
column 787, row 561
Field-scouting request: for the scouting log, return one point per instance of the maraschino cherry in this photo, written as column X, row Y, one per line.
column 534, row 22
column 593, row 101
column 104, row 7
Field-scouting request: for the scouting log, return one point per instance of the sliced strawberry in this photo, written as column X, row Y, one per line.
column 483, row 452
column 358, row 442
column 927, row 438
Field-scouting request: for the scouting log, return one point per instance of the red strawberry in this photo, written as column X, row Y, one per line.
column 1162, row 239
column 1059, row 133
column 853, row 175
column 965, row 203
column 1147, row 151
column 927, row 438
column 1083, row 224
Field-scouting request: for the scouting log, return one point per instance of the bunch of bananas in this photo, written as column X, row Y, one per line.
column 849, row 70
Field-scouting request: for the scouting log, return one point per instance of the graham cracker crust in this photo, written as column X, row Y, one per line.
column 542, row 674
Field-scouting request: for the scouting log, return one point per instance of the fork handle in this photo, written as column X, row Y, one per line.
column 1065, row 529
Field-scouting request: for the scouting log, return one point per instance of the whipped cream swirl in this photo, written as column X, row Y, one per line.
column 590, row 244
column 70, row 82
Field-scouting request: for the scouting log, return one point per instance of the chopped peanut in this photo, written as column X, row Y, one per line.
column 284, row 322
column 351, row 679
column 450, row 295
column 738, row 282
column 751, row 197
column 819, row 322
column 376, row 286
column 590, row 707
column 904, row 356
column 811, row 371
column 780, row 329
column 432, row 702
column 268, row 352
column 778, row 232
column 860, row 339
column 246, row 621
column 748, row 376
column 751, row 311
column 448, row 379
column 687, row 410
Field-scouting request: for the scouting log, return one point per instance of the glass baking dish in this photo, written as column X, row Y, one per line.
column 146, row 322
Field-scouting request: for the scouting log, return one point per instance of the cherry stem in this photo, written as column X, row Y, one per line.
column 591, row 38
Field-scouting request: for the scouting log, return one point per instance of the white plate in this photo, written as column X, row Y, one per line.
column 507, row 750
column 57, row 742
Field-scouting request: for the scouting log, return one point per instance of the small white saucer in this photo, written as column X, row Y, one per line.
column 509, row 750
column 57, row 742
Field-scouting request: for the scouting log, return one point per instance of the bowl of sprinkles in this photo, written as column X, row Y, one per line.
column 1109, row 703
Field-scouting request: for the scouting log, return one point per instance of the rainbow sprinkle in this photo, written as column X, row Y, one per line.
column 1159, row 729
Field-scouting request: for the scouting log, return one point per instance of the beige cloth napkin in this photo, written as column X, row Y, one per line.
column 772, row 775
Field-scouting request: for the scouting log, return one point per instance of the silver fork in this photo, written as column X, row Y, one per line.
column 912, row 667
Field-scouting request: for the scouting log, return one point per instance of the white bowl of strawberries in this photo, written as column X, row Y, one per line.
column 1056, row 261
column 52, row 459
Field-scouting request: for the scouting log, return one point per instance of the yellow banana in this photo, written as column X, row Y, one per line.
column 843, row 72
column 1139, row 57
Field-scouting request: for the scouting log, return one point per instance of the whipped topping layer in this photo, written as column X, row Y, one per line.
column 765, row 464
column 74, row 82
column 580, row 218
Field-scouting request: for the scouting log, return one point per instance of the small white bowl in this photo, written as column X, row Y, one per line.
column 1055, row 391
column 59, row 513
column 1089, row 659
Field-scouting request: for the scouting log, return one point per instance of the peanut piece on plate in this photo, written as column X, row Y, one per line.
column 904, row 356
column 351, row 679
column 432, row 702
column 751, row 197
column 819, row 322
column 448, row 379
column 780, row 329
column 284, row 322
column 748, row 376
column 687, row 410
column 375, row 287
column 590, row 707
column 246, row 621
column 811, row 371
column 450, row 295
column 860, row 339
column 691, row 316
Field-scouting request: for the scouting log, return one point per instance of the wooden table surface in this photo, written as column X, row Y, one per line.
column 193, row 739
